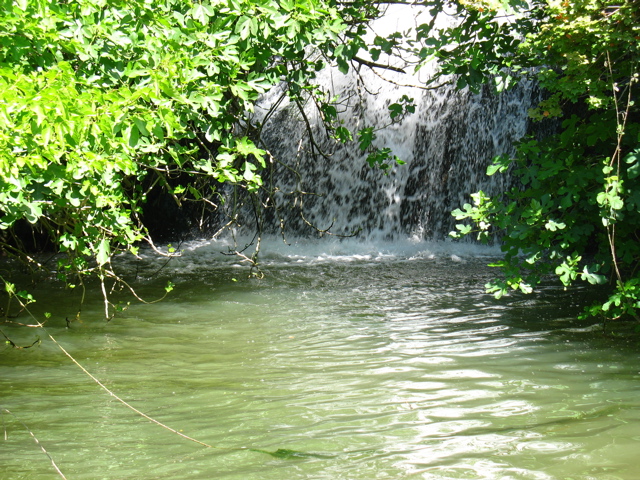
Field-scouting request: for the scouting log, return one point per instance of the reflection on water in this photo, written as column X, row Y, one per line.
column 368, row 368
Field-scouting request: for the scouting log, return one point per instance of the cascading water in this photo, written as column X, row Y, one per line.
column 447, row 145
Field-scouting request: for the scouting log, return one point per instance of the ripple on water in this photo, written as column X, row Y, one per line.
column 395, row 370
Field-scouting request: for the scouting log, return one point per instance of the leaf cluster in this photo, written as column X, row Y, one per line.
column 575, row 209
column 104, row 102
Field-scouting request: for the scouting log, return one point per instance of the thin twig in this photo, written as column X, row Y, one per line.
column 34, row 438
column 106, row 389
column 131, row 407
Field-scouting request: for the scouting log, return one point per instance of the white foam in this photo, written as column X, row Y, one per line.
column 198, row 254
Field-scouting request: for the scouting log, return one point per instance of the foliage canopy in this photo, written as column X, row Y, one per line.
column 106, row 103
column 575, row 209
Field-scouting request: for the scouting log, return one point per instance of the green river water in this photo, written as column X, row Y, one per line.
column 334, row 366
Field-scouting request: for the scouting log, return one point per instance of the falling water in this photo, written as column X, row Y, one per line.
column 446, row 144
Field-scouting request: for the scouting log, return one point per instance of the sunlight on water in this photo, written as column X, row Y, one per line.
column 335, row 366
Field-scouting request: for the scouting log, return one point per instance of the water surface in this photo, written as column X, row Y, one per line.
column 332, row 367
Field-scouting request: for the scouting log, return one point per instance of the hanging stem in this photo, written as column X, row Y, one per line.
column 2, row 409
column 105, row 388
column 621, row 121
column 131, row 407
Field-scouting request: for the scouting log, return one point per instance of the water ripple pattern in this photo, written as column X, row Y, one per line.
column 347, row 370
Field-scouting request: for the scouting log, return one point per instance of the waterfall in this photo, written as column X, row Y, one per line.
column 447, row 145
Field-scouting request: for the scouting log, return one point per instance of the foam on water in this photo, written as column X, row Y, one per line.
column 209, row 254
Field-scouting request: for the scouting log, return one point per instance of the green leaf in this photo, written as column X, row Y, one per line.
column 288, row 5
column 493, row 168
column 249, row 168
column 367, row 136
column 103, row 252
column 525, row 288
column 593, row 278
column 133, row 135
column 141, row 126
column 33, row 212
column 552, row 225
column 201, row 14
column 343, row 134
column 633, row 171
column 243, row 27
column 395, row 110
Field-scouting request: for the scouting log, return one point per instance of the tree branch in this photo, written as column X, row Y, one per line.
column 370, row 64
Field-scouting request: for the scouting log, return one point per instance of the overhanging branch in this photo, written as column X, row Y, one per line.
column 370, row 64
